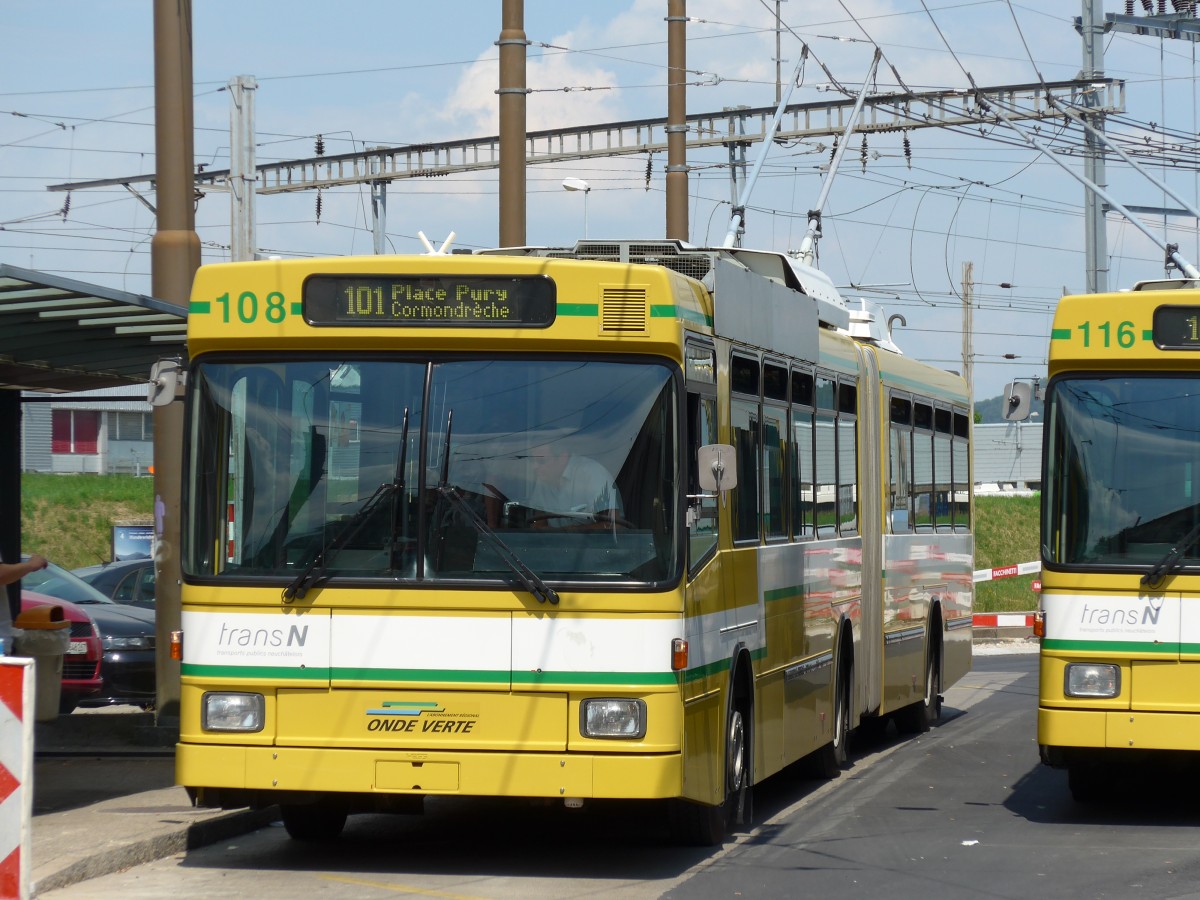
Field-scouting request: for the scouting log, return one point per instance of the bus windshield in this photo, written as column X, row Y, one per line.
column 1122, row 483
column 408, row 469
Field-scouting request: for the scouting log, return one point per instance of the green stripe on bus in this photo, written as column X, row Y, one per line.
column 200, row 307
column 456, row 676
column 479, row 676
column 608, row 679
column 1148, row 334
column 657, row 311
column 1060, row 334
column 671, row 311
column 290, row 673
column 1111, row 646
column 795, row 592
column 297, row 308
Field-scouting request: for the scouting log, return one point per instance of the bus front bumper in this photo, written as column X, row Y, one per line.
column 1118, row 729
column 258, row 772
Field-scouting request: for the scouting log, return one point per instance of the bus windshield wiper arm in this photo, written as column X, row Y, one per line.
column 529, row 579
column 1171, row 561
column 315, row 570
column 316, row 567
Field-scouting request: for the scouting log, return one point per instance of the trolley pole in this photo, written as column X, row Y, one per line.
column 174, row 258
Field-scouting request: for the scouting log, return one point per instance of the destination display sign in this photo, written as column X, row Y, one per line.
column 1177, row 327
column 463, row 301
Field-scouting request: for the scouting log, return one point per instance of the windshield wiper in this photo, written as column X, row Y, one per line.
column 529, row 579
column 1170, row 562
column 315, row 570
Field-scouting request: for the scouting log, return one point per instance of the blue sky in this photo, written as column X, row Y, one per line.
column 76, row 103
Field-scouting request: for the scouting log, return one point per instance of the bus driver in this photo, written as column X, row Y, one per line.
column 577, row 488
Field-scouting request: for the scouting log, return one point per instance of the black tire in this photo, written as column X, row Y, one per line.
column 919, row 717
column 697, row 824
column 830, row 760
column 313, row 821
column 1087, row 782
column 702, row 825
column 739, row 799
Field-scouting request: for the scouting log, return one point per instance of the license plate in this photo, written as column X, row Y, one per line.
column 76, row 647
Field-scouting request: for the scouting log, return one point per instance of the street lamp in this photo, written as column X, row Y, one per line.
column 578, row 184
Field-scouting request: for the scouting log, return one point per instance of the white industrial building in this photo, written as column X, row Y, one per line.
column 1008, row 457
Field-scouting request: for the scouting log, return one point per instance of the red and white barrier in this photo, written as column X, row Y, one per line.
column 16, row 775
column 1025, row 568
column 1003, row 620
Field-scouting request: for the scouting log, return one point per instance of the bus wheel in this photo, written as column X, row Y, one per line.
column 697, row 824
column 831, row 759
column 738, row 797
column 313, row 821
column 701, row 825
column 919, row 717
column 1086, row 782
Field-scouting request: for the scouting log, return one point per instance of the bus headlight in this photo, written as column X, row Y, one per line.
column 232, row 712
column 613, row 718
column 1092, row 680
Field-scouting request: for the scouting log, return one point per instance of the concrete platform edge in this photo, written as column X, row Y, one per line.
column 207, row 827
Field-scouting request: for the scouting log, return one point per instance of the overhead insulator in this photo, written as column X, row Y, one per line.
column 318, row 207
column 862, row 153
column 320, row 145
column 907, row 150
column 833, row 149
column 649, row 168
column 66, row 206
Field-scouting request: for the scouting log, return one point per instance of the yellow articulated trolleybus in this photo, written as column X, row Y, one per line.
column 624, row 520
column 1120, row 658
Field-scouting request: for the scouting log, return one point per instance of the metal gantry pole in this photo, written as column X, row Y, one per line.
column 677, row 169
column 174, row 259
column 513, row 94
column 1095, row 234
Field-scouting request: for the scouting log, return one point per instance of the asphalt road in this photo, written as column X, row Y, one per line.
column 965, row 811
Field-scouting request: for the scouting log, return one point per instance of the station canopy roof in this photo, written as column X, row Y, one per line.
column 57, row 334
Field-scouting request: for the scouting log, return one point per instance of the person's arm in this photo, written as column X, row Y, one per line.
column 10, row 572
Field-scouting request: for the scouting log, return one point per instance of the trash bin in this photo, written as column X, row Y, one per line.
column 43, row 634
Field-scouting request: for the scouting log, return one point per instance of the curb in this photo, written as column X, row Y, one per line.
column 208, row 827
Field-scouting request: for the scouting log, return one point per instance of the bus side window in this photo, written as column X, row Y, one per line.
column 701, row 506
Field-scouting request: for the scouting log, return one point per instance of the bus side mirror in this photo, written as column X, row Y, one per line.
column 1018, row 398
column 717, row 470
column 167, row 377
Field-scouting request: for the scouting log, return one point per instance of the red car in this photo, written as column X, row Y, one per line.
column 81, row 665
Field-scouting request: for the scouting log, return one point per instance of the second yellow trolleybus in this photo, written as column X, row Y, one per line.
column 1120, row 660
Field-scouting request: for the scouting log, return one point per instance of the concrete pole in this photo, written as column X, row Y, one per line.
column 379, row 216
column 243, row 180
column 1095, row 235
column 512, row 93
column 677, row 170
column 174, row 258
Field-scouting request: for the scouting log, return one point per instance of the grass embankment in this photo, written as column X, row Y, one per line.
column 1006, row 533
column 69, row 519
